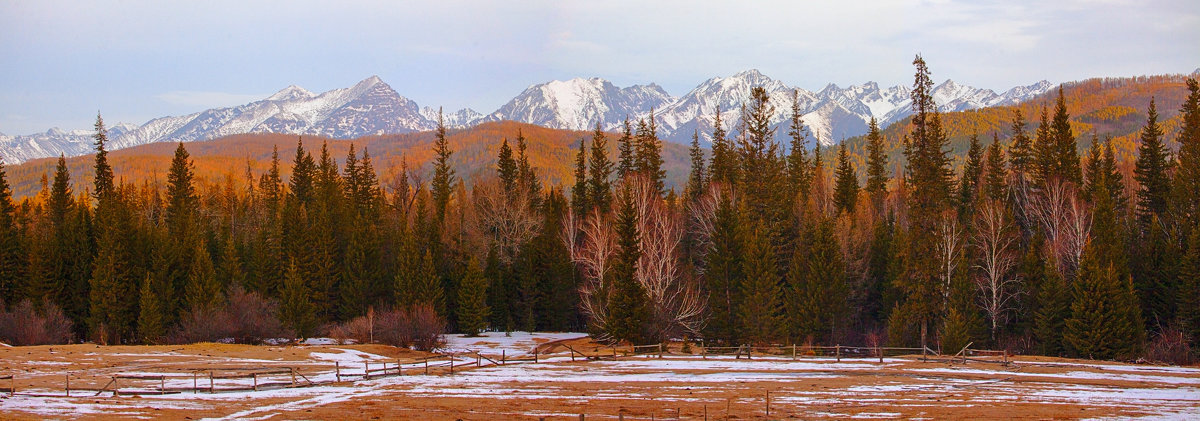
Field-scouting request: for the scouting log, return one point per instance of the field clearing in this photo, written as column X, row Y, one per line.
column 555, row 387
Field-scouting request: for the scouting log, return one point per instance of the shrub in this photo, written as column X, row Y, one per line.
column 358, row 329
column 1170, row 346
column 246, row 317
column 24, row 325
column 419, row 328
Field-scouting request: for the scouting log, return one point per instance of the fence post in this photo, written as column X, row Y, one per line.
column 479, row 359
column 366, row 370
column 451, row 363
column 255, row 376
column 162, row 385
column 660, row 349
column 768, row 404
column 426, row 366
column 293, row 370
column 68, row 385
column 793, row 352
column 337, row 366
column 879, row 351
column 503, row 357
column 535, row 360
column 211, row 386
column 399, row 367
column 837, row 350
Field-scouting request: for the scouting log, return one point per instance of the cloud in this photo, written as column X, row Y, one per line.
column 203, row 99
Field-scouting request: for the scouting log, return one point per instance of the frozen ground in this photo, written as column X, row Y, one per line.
column 638, row 387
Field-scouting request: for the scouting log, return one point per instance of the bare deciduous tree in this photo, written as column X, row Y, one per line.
column 676, row 304
column 591, row 242
column 1066, row 222
column 949, row 246
column 994, row 239
column 507, row 219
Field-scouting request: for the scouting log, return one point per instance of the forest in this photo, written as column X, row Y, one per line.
column 1025, row 244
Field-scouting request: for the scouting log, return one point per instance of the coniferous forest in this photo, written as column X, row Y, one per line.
column 1029, row 244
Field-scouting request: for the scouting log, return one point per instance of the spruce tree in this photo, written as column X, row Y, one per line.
column 1020, row 149
column 181, row 195
column 1066, row 153
column 799, row 176
column 427, row 286
column 628, row 309
column 151, row 326
column 103, row 178
column 296, row 309
column 723, row 166
column 1045, row 160
column 506, row 167
column 1187, row 169
column 648, row 153
column 1150, row 171
column 303, row 175
column 697, row 177
column 846, row 188
column 968, row 184
column 928, row 173
column 877, row 162
column 443, row 173
column 599, row 171
column 473, row 311
column 1189, row 288
column 579, row 193
column 955, row 332
column 723, row 273
column 995, row 182
column 625, row 164
column 12, row 260
column 1095, row 177
column 203, row 291
column 758, row 312
column 817, row 284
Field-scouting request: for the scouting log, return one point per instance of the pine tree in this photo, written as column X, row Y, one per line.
column 723, row 274
column 648, row 158
column 103, row 179
column 526, row 174
column 799, row 176
column 473, row 311
column 877, row 162
column 626, row 164
column 296, row 309
column 599, row 171
column 1066, row 153
column 579, row 193
column 427, row 286
column 303, row 174
column 759, row 318
column 697, row 177
column 181, row 195
column 628, row 309
column 229, row 270
column 817, row 284
column 846, row 188
column 723, row 166
column 1150, row 171
column 1054, row 304
column 968, row 184
column 1020, row 150
column 1189, row 288
column 203, row 290
column 995, row 181
column 1094, row 170
column 151, row 326
column 1045, row 161
column 506, row 167
column 955, row 332
column 357, row 289
column 443, row 173
column 12, row 259
column 928, row 173
column 1187, row 168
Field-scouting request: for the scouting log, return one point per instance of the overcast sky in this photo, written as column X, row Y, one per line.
column 133, row 60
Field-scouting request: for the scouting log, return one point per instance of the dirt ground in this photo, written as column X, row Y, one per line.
column 633, row 387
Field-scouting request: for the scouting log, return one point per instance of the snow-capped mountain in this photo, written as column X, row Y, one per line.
column 578, row 104
column 830, row 115
column 371, row 107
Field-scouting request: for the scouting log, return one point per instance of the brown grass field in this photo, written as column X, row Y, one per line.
column 676, row 386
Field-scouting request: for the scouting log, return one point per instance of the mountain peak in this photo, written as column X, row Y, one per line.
column 290, row 92
column 749, row 73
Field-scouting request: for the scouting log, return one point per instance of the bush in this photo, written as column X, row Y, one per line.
column 1171, row 347
column 246, row 317
column 420, row 328
column 357, row 330
column 24, row 325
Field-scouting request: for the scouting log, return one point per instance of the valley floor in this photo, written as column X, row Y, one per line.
column 555, row 387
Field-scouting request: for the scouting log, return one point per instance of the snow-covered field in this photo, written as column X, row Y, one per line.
column 636, row 386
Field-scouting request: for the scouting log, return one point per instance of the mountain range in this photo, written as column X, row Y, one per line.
column 372, row 107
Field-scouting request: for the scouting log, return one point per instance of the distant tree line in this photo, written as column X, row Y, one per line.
column 1031, row 247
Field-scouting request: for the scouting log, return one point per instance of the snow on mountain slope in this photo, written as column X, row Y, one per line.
column 371, row 107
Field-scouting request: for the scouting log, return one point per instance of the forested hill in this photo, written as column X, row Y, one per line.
column 551, row 152
column 1108, row 107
